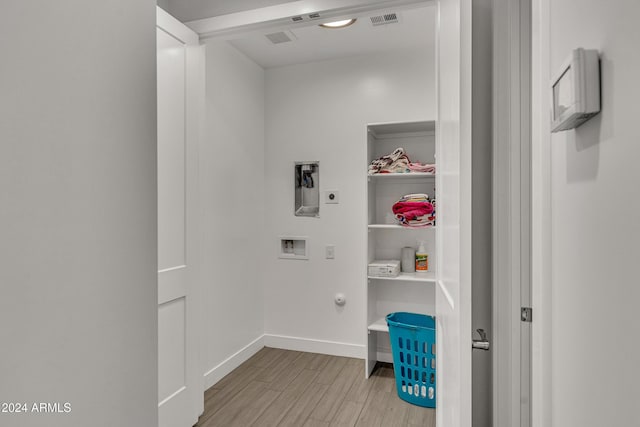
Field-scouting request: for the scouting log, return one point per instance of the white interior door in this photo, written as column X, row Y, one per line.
column 453, row 292
column 180, row 387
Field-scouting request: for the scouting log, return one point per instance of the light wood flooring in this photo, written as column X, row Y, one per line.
column 291, row 388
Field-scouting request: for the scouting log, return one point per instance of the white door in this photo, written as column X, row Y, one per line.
column 453, row 291
column 180, row 386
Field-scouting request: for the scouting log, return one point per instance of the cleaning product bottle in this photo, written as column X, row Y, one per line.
column 422, row 259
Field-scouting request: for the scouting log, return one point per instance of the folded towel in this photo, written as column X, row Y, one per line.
column 409, row 211
column 396, row 162
column 418, row 197
column 419, row 167
column 415, row 210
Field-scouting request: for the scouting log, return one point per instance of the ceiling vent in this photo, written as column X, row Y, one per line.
column 279, row 37
column 387, row 18
column 309, row 17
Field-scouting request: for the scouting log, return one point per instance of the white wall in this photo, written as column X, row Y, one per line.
column 319, row 111
column 78, row 219
column 594, row 225
column 231, row 183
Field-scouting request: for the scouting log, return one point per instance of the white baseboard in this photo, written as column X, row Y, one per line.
column 232, row 362
column 284, row 342
column 315, row 346
column 384, row 356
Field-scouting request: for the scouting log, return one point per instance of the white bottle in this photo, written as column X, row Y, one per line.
column 422, row 259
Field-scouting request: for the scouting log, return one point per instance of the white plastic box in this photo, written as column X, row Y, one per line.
column 384, row 268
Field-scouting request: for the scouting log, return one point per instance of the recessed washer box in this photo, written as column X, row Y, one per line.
column 306, row 187
column 293, row 247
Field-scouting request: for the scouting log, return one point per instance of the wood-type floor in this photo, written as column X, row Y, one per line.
column 295, row 389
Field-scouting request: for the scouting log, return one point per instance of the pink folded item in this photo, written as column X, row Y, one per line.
column 421, row 208
column 419, row 167
column 409, row 211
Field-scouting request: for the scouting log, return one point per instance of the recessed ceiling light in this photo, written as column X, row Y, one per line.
column 339, row 24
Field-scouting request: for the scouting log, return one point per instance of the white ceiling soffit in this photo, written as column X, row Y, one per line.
column 280, row 16
column 190, row 10
column 414, row 29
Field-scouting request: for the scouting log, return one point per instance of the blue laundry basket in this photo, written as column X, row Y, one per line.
column 413, row 343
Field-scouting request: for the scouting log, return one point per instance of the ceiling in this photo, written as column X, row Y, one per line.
column 189, row 10
column 309, row 42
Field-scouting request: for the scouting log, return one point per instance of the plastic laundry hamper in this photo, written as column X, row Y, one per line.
column 413, row 343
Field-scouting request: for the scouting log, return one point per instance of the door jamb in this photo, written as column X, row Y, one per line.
column 541, row 249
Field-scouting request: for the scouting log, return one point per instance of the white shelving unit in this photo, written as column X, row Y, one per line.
column 402, row 175
column 379, row 325
column 429, row 277
column 413, row 292
column 398, row 227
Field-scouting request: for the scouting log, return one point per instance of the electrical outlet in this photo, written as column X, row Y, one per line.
column 330, row 251
column 331, row 196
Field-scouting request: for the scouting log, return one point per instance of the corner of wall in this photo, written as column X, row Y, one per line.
column 215, row 374
column 231, row 169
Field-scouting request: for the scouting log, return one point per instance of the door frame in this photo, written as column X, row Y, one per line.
column 541, row 248
column 274, row 17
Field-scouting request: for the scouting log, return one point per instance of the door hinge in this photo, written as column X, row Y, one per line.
column 526, row 314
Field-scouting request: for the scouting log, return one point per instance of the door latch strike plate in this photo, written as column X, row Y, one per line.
column 526, row 314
